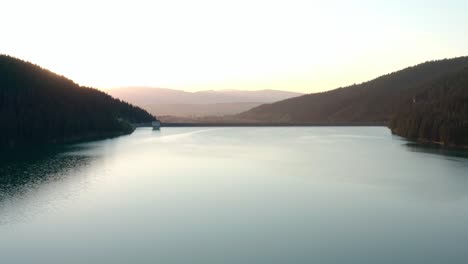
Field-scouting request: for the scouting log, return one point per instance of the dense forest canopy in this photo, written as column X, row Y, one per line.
column 373, row 101
column 437, row 114
column 39, row 106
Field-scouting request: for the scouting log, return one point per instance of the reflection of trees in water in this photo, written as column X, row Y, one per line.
column 21, row 170
column 434, row 149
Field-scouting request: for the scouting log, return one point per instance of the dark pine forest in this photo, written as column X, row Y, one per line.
column 438, row 114
column 39, row 106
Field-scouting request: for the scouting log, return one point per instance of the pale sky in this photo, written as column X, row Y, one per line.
column 305, row 46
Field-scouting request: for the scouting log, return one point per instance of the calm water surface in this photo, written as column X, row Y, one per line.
column 236, row 195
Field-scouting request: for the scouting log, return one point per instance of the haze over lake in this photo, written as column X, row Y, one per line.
column 236, row 195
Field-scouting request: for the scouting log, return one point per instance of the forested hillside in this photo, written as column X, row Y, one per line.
column 39, row 106
column 373, row 101
column 439, row 114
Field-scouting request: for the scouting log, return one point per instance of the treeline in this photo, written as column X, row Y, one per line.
column 39, row 106
column 439, row 114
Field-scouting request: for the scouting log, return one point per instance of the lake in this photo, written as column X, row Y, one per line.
column 236, row 195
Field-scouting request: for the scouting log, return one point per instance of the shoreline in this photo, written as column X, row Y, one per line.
column 431, row 143
column 438, row 144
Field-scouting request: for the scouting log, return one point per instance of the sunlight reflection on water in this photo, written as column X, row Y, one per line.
column 236, row 195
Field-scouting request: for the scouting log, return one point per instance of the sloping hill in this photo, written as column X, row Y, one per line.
column 372, row 101
column 39, row 106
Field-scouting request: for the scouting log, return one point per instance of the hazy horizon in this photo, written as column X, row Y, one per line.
column 188, row 91
column 299, row 46
column 221, row 89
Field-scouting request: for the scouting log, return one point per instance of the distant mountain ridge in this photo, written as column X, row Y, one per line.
column 162, row 101
column 373, row 101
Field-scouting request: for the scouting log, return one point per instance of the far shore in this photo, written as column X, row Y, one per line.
column 244, row 124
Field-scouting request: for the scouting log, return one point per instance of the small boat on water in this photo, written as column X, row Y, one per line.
column 156, row 125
